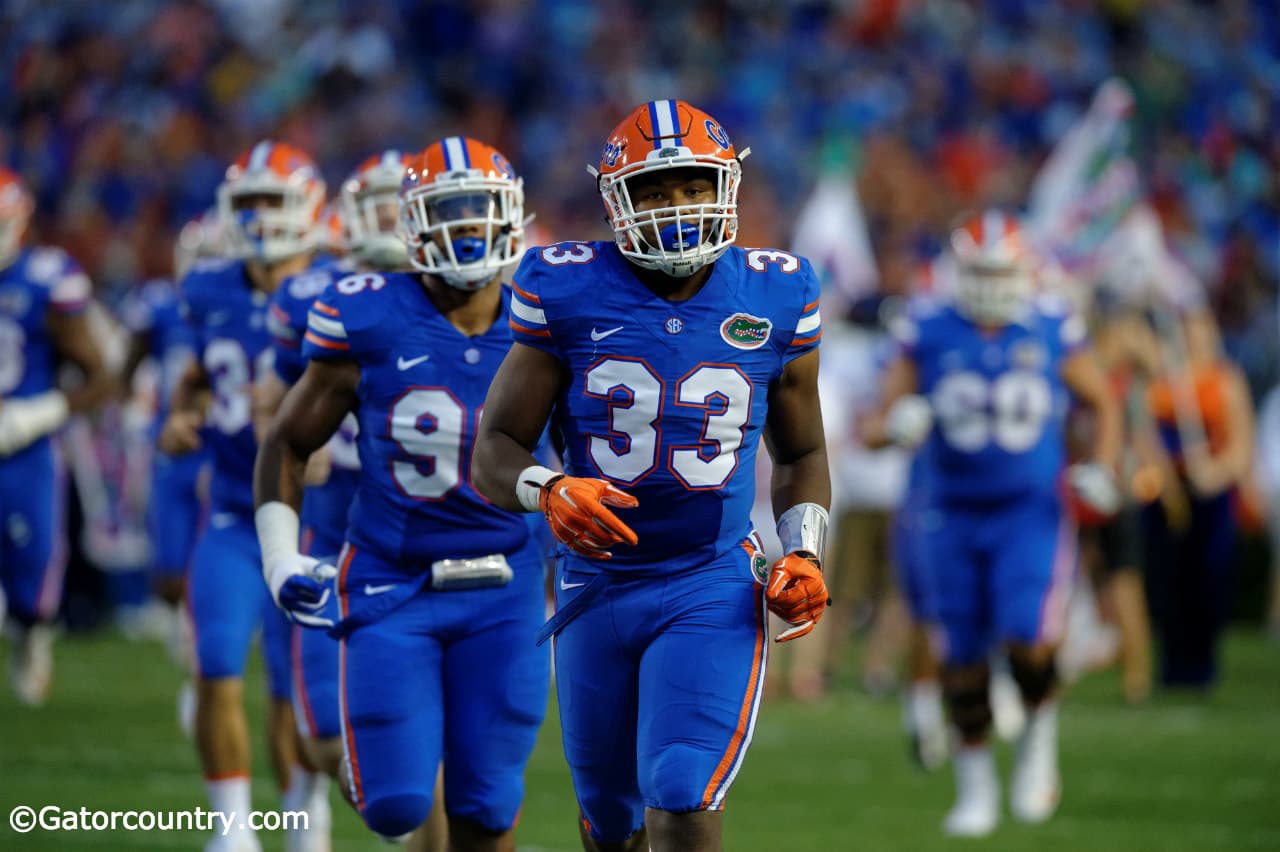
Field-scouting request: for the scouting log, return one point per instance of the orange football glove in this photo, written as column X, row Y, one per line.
column 796, row 593
column 575, row 511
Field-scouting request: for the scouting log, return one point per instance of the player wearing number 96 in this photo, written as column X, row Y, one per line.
column 983, row 379
column 665, row 355
column 269, row 205
column 439, row 590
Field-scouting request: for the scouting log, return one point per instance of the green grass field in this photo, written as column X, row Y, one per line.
column 1182, row 773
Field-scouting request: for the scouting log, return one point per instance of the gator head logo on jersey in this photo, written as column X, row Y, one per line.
column 744, row 331
column 673, row 232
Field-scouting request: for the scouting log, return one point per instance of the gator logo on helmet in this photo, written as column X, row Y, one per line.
column 611, row 153
column 717, row 134
column 744, row 331
column 503, row 166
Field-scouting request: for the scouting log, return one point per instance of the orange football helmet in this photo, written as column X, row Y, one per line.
column 333, row 229
column 202, row 237
column 370, row 201
column 16, row 207
column 661, row 135
column 270, row 203
column 993, row 268
column 463, row 212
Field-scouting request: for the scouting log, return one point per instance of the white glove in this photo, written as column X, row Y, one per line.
column 1095, row 487
column 25, row 420
column 909, row 420
column 300, row 585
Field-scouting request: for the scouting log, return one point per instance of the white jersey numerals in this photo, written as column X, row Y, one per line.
column 760, row 259
column 231, row 376
column 562, row 253
column 634, row 444
column 353, row 284
column 12, row 354
column 1009, row 411
column 428, row 424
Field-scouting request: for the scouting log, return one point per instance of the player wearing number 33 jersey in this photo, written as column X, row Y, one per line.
column 667, row 400
column 662, row 358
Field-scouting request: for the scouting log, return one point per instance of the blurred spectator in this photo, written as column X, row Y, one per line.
column 122, row 116
column 1205, row 418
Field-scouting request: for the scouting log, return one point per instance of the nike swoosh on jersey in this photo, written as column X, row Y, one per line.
column 597, row 336
column 378, row 590
column 567, row 586
column 218, row 317
column 404, row 363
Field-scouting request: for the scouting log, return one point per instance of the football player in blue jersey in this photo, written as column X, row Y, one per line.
column 157, row 330
column 43, row 294
column 665, row 355
column 983, row 383
column 439, row 591
column 369, row 202
column 270, row 205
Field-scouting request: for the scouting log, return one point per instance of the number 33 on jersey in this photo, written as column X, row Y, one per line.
column 667, row 399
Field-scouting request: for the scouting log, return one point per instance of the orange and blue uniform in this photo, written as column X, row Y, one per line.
column 661, row 650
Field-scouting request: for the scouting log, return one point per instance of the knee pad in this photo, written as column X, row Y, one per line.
column 1035, row 680
column 968, row 701
column 396, row 815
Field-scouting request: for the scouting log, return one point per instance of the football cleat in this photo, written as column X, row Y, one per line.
column 976, row 812
column 31, row 665
column 1036, row 787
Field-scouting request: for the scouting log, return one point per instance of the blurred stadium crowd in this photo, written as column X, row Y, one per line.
column 122, row 117
column 874, row 125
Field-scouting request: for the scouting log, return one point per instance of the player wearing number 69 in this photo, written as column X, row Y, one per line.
column 439, row 591
column 984, row 380
column 665, row 355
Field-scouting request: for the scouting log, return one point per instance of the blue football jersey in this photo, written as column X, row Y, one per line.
column 324, row 507
column 227, row 316
column 998, row 398
column 38, row 281
column 422, row 387
column 154, row 311
column 667, row 400
column 287, row 316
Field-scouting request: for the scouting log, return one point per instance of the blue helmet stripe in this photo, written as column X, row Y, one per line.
column 653, row 124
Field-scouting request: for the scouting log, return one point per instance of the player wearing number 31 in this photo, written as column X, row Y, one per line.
column 665, row 354
column 984, row 380
column 439, row 591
